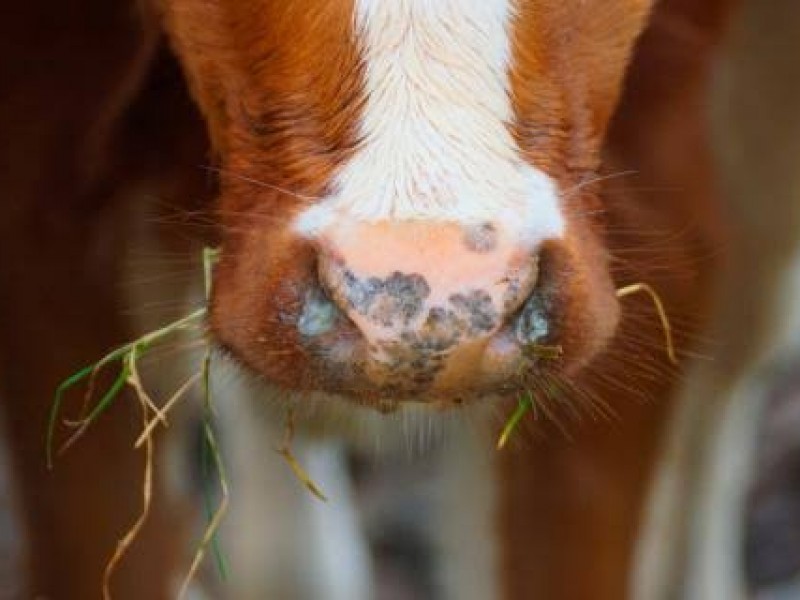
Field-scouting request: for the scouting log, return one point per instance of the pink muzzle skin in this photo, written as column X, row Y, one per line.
column 427, row 299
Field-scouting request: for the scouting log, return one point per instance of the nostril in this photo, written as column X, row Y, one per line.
column 319, row 314
column 532, row 325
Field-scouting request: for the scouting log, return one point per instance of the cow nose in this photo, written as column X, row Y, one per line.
column 421, row 293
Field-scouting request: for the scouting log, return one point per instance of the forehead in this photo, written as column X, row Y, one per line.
column 266, row 32
column 333, row 20
column 304, row 69
column 327, row 14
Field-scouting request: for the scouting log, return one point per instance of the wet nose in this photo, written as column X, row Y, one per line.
column 418, row 291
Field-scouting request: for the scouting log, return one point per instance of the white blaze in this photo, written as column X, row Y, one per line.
column 435, row 142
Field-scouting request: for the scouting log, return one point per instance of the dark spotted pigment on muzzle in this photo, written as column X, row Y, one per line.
column 422, row 350
column 396, row 299
column 481, row 238
column 400, row 298
column 419, row 336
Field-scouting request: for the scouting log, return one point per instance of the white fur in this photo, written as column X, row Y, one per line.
column 435, row 142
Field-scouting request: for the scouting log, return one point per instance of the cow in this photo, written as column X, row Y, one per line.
column 419, row 205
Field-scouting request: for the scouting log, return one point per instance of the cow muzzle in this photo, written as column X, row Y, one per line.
column 430, row 306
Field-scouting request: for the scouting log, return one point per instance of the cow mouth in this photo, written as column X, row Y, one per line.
column 502, row 369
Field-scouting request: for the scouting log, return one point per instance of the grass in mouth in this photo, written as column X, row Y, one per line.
column 524, row 404
column 126, row 358
column 526, row 401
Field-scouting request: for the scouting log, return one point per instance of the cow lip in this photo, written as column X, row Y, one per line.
column 356, row 390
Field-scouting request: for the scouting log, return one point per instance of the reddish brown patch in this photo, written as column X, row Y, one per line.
column 569, row 58
column 280, row 85
column 570, row 510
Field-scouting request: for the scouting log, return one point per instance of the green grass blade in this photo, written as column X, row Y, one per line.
column 108, row 398
column 524, row 405
column 211, row 462
column 210, row 256
column 210, row 468
column 70, row 382
column 211, row 459
column 55, row 409
column 156, row 336
column 129, row 354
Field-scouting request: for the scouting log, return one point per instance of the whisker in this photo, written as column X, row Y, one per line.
column 598, row 179
column 229, row 173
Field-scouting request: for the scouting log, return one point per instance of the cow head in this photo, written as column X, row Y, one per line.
column 406, row 206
